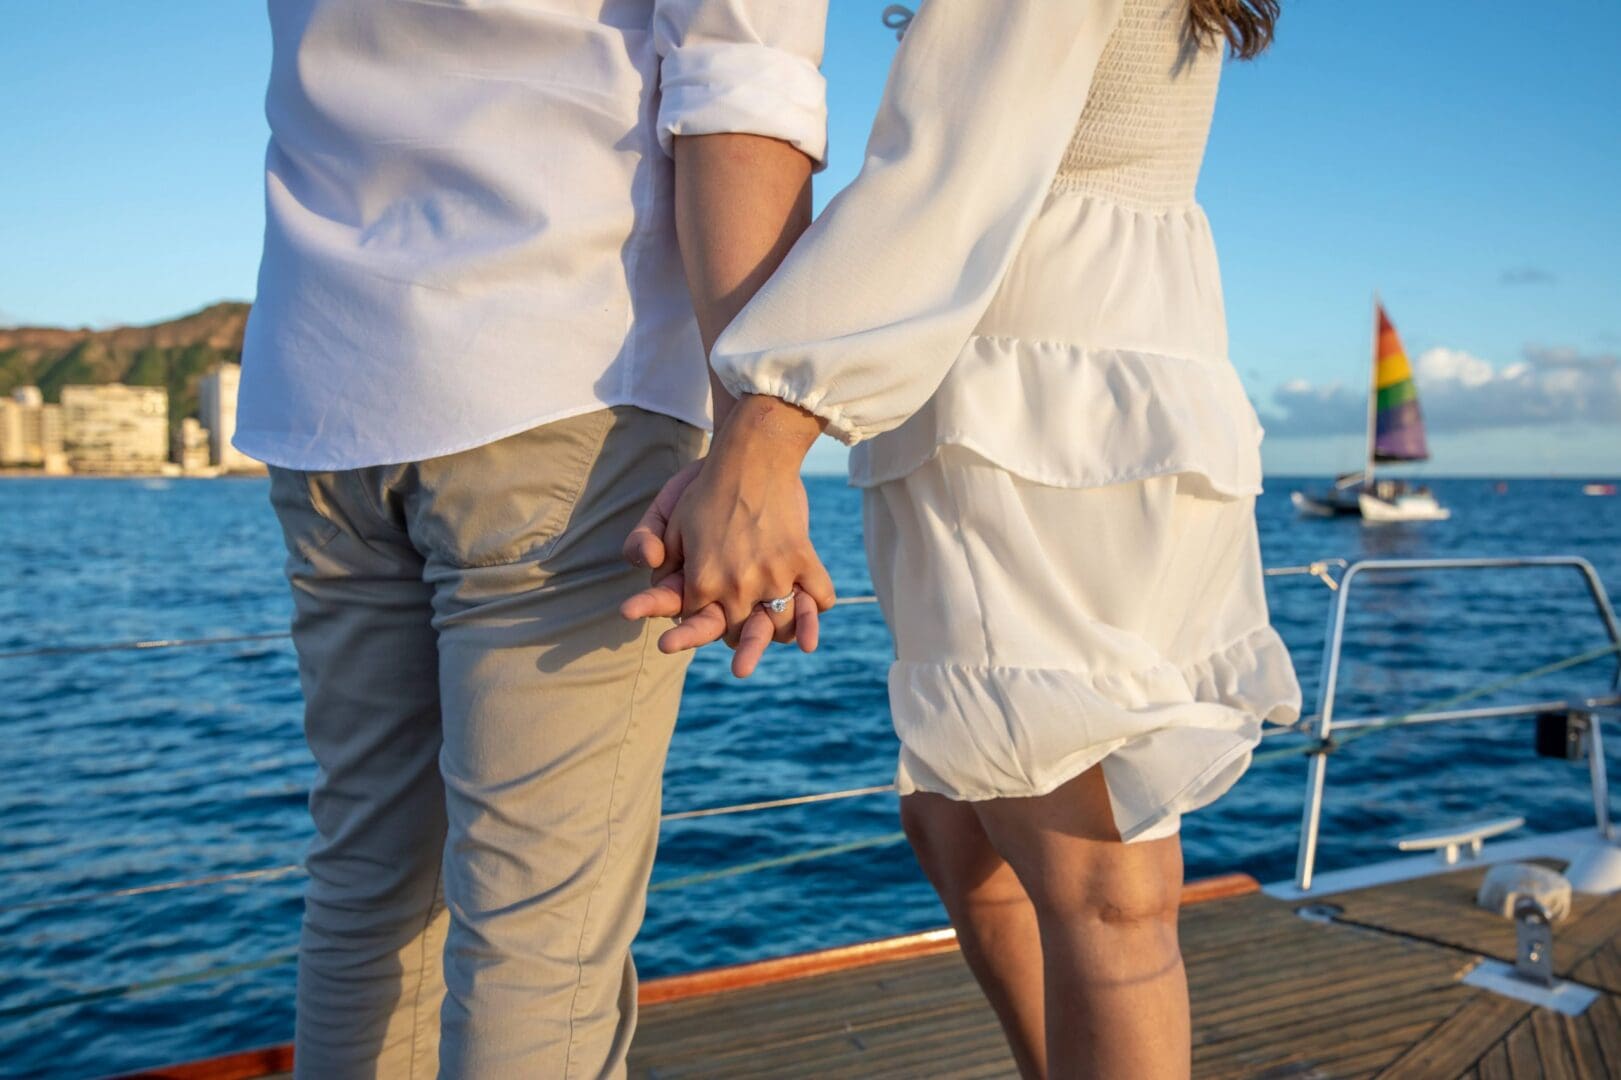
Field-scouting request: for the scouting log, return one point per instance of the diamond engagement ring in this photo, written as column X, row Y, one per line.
column 779, row 605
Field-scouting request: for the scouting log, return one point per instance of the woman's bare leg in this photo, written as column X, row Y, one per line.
column 1116, row 991
column 995, row 921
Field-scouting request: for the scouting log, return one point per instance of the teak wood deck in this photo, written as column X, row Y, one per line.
column 1374, row 992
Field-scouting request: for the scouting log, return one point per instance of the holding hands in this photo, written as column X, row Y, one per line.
column 729, row 541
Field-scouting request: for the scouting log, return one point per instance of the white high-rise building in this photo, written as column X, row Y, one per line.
column 30, row 430
column 13, row 440
column 116, row 428
column 191, row 447
column 216, row 402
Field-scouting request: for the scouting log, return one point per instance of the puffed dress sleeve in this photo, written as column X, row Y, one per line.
column 864, row 318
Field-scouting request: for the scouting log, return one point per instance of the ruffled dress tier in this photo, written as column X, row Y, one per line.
column 1027, row 344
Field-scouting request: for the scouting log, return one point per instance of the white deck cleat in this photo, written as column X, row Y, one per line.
column 1449, row 842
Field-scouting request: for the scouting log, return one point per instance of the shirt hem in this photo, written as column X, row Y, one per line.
column 278, row 453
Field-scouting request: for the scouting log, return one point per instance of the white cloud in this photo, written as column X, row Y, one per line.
column 1454, row 365
column 1460, row 391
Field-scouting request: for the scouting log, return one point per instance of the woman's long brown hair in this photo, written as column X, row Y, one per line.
column 1246, row 24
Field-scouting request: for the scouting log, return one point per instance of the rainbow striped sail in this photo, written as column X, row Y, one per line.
column 1398, row 430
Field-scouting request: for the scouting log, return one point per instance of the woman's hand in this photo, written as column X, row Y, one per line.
column 739, row 532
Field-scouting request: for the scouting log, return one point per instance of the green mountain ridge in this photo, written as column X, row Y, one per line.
column 174, row 354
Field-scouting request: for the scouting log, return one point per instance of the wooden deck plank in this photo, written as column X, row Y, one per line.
column 1460, row 1040
column 1584, row 1047
column 1494, row 1065
column 1605, row 1018
column 1521, row 1044
column 1553, row 1045
column 1275, row 997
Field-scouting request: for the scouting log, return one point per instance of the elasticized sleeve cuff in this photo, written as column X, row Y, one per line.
column 839, row 423
column 715, row 89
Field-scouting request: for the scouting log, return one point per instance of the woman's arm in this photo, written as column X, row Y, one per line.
column 870, row 309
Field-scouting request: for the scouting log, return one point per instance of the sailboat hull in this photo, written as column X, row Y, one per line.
column 1406, row 506
column 1326, row 506
column 1416, row 506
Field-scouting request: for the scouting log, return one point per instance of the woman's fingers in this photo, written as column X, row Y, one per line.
column 755, row 638
column 807, row 622
column 802, row 624
column 782, row 622
column 707, row 625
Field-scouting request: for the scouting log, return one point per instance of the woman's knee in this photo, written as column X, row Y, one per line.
column 1114, row 888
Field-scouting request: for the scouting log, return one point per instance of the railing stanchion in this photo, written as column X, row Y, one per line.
column 1311, row 815
column 1595, row 744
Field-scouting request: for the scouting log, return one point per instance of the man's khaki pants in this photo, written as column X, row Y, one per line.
column 490, row 735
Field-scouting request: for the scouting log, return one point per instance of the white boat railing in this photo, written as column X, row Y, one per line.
column 1325, row 724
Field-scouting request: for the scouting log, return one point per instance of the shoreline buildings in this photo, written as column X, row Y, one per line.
column 31, row 432
column 115, row 429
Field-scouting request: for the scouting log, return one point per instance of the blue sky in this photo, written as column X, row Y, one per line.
column 1464, row 160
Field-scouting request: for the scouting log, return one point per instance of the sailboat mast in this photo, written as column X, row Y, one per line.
column 1373, row 396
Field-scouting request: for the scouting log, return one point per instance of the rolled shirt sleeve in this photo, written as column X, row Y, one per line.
column 743, row 67
column 870, row 309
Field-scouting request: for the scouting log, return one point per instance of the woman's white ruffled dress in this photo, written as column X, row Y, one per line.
column 1017, row 317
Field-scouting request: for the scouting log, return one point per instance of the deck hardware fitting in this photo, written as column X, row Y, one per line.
column 1533, row 943
column 1563, row 996
column 1564, row 734
column 1448, row 843
column 1320, row 913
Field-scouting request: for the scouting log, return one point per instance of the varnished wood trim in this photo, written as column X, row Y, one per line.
column 250, row 1065
column 798, row 966
column 279, row 1059
column 867, row 953
column 1220, row 887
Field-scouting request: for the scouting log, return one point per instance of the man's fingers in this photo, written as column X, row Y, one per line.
column 752, row 643
column 807, row 623
column 645, row 544
column 709, row 624
column 660, row 601
column 657, row 602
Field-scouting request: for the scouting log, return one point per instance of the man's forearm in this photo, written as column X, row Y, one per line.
column 740, row 203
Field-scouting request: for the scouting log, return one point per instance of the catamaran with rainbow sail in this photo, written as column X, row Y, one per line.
column 1395, row 434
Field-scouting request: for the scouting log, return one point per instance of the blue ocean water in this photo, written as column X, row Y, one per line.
column 126, row 769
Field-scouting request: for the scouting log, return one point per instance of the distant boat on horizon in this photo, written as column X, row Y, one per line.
column 1395, row 434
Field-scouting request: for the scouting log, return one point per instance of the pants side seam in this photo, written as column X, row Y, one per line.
column 596, row 886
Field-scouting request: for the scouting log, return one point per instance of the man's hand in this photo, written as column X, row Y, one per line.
column 739, row 532
column 645, row 544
